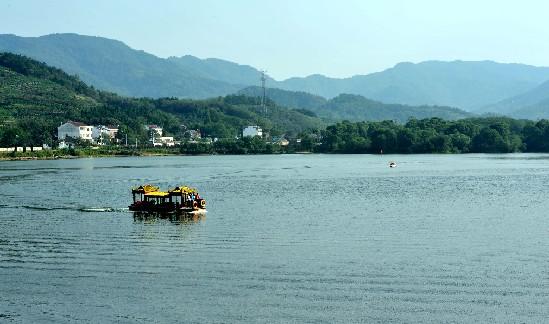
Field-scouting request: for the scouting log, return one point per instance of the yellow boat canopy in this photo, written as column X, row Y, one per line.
column 157, row 194
column 145, row 189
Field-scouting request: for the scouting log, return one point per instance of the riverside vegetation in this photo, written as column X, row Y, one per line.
column 36, row 98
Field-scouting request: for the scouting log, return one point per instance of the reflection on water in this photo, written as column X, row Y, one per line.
column 176, row 218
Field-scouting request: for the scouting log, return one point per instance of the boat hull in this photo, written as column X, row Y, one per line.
column 164, row 209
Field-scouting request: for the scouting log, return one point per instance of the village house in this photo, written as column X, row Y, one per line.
column 155, row 132
column 164, row 141
column 252, row 131
column 154, row 129
column 75, row 130
column 109, row 131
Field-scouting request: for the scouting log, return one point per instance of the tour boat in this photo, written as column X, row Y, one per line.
column 148, row 198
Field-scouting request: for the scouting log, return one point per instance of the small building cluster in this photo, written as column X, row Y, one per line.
column 156, row 138
column 74, row 133
column 77, row 130
column 99, row 132
column 102, row 134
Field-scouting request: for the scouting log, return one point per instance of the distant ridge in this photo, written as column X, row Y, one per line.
column 294, row 99
column 467, row 85
column 221, row 70
column 532, row 104
column 354, row 107
column 111, row 65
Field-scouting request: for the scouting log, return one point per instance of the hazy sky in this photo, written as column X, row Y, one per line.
column 298, row 38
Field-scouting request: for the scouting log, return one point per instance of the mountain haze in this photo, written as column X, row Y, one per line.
column 539, row 110
column 220, row 70
column 111, row 65
column 519, row 105
column 467, row 85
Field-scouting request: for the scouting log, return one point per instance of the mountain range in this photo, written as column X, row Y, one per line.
column 466, row 85
column 479, row 86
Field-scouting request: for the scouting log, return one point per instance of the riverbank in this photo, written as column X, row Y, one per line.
column 224, row 147
column 84, row 153
column 56, row 154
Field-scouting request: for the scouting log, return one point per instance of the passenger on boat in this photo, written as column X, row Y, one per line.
column 189, row 200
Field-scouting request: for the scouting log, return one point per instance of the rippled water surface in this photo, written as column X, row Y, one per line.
column 293, row 238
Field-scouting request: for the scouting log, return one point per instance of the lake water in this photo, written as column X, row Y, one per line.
column 287, row 239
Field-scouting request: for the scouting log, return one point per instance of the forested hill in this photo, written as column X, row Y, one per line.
column 36, row 98
column 358, row 108
column 354, row 107
column 286, row 98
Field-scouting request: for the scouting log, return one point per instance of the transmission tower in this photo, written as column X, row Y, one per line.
column 264, row 97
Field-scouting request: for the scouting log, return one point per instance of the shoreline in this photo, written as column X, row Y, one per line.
column 149, row 154
column 29, row 157
column 71, row 157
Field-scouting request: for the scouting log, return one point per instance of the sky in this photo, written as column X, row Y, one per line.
column 301, row 37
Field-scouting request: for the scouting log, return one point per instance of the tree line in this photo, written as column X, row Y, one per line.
column 435, row 135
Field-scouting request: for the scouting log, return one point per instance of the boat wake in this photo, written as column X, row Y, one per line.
column 80, row 209
column 43, row 207
column 102, row 209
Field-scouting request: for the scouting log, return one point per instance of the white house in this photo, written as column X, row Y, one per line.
column 154, row 132
column 156, row 129
column 251, row 131
column 109, row 131
column 75, row 130
column 164, row 141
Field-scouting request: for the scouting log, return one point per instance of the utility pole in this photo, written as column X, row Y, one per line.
column 126, row 139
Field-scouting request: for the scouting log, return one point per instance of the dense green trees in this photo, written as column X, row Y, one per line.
column 245, row 145
column 435, row 135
